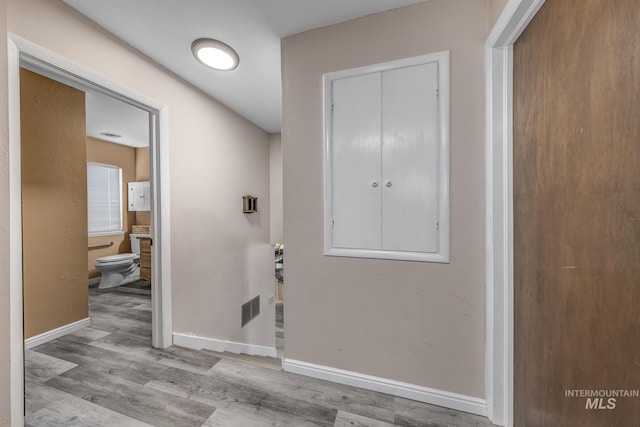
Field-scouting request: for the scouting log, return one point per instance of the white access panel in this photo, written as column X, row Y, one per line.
column 139, row 196
column 410, row 159
column 386, row 160
column 356, row 160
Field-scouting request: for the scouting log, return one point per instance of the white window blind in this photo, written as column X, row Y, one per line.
column 104, row 198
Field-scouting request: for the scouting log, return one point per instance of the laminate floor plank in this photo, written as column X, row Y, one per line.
column 242, row 395
column 131, row 399
column 130, row 291
column 274, row 363
column 410, row 413
column 116, row 303
column 124, row 343
column 50, row 407
column 346, row 419
column 129, row 312
column 351, row 399
column 87, row 335
column 40, row 367
column 112, row 322
column 109, row 375
column 117, row 299
column 183, row 358
column 197, row 358
column 237, row 414
column 145, row 307
column 103, row 360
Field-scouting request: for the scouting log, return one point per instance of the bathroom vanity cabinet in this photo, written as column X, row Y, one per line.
column 145, row 259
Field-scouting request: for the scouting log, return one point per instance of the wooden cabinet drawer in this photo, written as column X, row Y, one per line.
column 145, row 274
column 145, row 259
column 145, row 245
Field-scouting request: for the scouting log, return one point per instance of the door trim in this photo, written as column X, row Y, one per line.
column 46, row 62
column 515, row 17
column 16, row 335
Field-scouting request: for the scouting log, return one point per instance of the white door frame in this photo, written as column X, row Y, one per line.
column 515, row 17
column 22, row 51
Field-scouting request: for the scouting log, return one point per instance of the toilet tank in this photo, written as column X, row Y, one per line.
column 135, row 242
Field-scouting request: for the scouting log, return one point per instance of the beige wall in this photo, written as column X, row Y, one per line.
column 220, row 257
column 415, row 322
column 143, row 173
column 275, row 171
column 54, row 203
column 5, row 358
column 125, row 157
column 142, row 164
column 495, row 9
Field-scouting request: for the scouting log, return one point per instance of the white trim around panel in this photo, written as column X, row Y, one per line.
column 431, row 396
column 442, row 225
column 515, row 17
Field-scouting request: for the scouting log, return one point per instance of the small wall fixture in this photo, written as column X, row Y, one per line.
column 249, row 204
column 215, row 54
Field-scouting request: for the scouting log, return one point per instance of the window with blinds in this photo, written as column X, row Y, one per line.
column 104, row 199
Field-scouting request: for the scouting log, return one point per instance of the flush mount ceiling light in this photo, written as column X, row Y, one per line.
column 215, row 54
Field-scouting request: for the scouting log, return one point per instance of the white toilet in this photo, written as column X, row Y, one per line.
column 120, row 269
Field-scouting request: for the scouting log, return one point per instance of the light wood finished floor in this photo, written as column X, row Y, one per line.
column 108, row 375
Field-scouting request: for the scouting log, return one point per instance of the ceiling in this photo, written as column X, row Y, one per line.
column 105, row 114
column 163, row 30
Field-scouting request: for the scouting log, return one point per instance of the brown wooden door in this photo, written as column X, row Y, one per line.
column 577, row 215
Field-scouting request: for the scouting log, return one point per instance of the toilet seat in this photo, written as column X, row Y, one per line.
column 119, row 259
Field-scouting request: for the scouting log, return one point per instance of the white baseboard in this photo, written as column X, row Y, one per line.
column 56, row 333
column 94, row 281
column 200, row 343
column 432, row 396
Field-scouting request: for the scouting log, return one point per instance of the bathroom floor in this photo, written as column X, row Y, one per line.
column 108, row 375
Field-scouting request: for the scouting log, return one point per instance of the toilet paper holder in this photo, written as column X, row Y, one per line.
column 249, row 204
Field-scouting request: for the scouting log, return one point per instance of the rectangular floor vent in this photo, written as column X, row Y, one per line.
column 250, row 309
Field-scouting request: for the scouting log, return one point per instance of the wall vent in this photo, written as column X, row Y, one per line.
column 249, row 310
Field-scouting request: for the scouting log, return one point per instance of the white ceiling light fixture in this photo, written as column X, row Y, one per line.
column 215, row 54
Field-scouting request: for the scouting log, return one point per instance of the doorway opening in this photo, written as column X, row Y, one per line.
column 25, row 55
column 80, row 152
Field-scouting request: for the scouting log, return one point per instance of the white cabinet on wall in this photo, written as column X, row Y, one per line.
column 387, row 160
column 140, row 196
